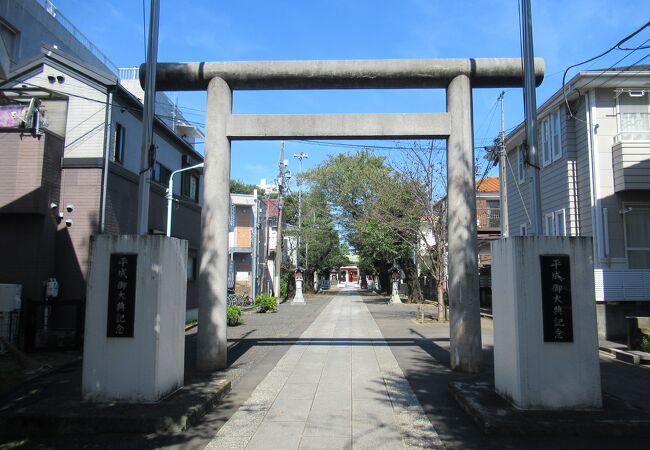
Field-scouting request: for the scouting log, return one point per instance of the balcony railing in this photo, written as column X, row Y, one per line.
column 128, row 73
column 488, row 218
column 78, row 35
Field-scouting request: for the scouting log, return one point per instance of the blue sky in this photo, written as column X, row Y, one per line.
column 565, row 32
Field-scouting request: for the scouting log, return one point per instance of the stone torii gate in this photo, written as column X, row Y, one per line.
column 457, row 76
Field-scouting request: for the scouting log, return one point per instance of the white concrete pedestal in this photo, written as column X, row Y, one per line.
column 149, row 365
column 394, row 298
column 298, row 298
column 528, row 371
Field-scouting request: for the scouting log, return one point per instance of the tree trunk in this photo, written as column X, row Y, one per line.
column 308, row 281
column 384, row 281
column 441, row 303
column 363, row 283
column 412, row 281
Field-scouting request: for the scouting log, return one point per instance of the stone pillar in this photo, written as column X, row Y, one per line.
column 545, row 332
column 134, row 338
column 464, row 312
column 213, row 269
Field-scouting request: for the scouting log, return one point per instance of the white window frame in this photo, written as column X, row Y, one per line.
column 644, row 206
column 523, row 229
column 549, row 224
column 550, row 128
column 643, row 93
column 521, row 165
column 556, row 130
column 545, row 141
column 557, row 214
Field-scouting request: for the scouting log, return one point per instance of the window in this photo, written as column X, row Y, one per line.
column 560, row 223
column 523, row 229
column 637, row 236
column 493, row 217
column 545, row 141
column 551, row 138
column 190, row 186
column 191, row 268
column 8, row 37
column 521, row 164
column 634, row 115
column 556, row 135
column 161, row 174
column 118, row 147
column 555, row 224
column 549, row 224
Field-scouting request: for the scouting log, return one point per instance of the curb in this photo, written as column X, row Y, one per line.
column 150, row 419
column 636, row 358
column 495, row 416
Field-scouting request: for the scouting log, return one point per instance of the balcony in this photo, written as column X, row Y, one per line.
column 631, row 161
column 488, row 219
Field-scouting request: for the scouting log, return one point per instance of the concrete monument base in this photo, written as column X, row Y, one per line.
column 134, row 341
column 545, row 332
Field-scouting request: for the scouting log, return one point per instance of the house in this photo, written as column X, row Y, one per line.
column 594, row 148
column 488, row 228
column 488, row 218
column 272, row 208
column 70, row 133
column 247, row 245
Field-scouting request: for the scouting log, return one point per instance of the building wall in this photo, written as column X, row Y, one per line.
column 29, row 182
column 81, row 187
column 36, row 27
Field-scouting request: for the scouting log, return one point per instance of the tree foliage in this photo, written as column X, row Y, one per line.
column 239, row 187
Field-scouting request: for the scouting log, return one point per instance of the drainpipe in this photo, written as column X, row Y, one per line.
column 107, row 149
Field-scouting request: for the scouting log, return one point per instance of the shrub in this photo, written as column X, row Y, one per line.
column 284, row 285
column 645, row 343
column 234, row 316
column 266, row 303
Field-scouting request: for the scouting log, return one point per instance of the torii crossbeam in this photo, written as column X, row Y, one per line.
column 457, row 76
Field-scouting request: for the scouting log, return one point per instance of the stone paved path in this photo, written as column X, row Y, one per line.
column 339, row 386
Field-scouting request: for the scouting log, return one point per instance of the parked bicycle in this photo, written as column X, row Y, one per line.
column 235, row 299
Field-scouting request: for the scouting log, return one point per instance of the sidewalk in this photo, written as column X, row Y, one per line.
column 339, row 386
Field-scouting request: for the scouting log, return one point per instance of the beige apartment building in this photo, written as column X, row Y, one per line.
column 595, row 181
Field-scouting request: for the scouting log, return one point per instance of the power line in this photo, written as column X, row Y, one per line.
column 128, row 108
column 614, row 47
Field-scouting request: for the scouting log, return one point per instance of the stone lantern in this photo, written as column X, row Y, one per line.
column 298, row 298
column 395, row 279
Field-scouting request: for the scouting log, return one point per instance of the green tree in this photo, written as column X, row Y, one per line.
column 373, row 209
column 239, row 187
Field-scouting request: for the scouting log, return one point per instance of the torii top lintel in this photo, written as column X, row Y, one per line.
column 343, row 74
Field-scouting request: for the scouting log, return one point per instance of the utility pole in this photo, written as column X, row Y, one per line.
column 300, row 156
column 530, row 112
column 503, row 185
column 147, row 120
column 278, row 240
column 255, row 240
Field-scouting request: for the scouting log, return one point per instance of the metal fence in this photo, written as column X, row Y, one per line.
column 78, row 35
column 53, row 324
column 9, row 326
